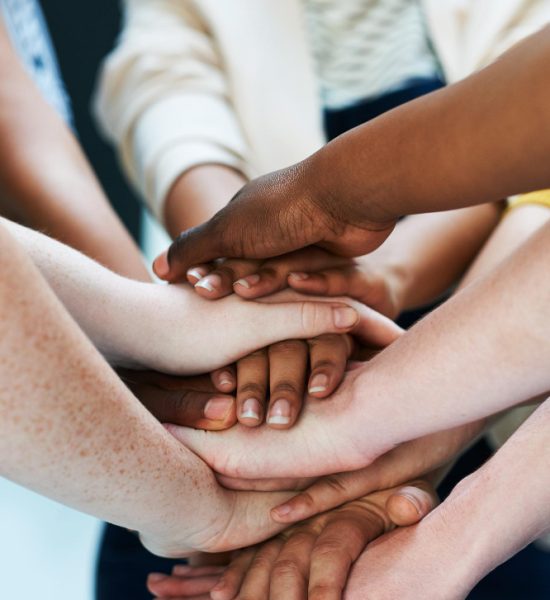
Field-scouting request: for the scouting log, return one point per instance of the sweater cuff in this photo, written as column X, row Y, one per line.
column 175, row 161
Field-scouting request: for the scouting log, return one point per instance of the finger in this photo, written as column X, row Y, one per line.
column 375, row 329
column 287, row 377
column 326, row 493
column 328, row 356
column 349, row 281
column 196, row 273
column 199, row 571
column 185, row 586
column 224, row 379
column 371, row 327
column 252, row 377
column 289, row 484
column 257, row 580
column 337, row 548
column 195, row 246
column 290, row 573
column 219, row 282
column 411, row 503
column 199, row 410
column 230, row 582
column 274, row 273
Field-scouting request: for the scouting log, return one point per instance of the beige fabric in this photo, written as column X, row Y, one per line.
column 232, row 82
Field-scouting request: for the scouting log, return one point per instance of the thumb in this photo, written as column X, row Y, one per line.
column 302, row 320
column 189, row 408
column 195, row 246
column 411, row 503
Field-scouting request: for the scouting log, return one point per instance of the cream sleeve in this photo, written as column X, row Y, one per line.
column 162, row 98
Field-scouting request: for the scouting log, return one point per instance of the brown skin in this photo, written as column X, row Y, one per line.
column 310, row 560
column 347, row 197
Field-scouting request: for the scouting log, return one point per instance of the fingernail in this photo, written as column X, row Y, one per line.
column 318, row 383
column 251, row 409
column 156, row 577
column 411, row 494
column 195, row 273
column 210, row 282
column 217, row 409
column 279, row 413
column 345, row 317
column 161, row 266
column 299, row 276
column 225, row 379
column 248, row 282
column 283, row 510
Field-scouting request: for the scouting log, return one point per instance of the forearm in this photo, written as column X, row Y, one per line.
column 505, row 505
column 461, row 353
column 447, row 150
column 72, row 431
column 198, row 194
column 428, row 253
column 46, row 181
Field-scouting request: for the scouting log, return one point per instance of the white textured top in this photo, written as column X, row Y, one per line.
column 28, row 32
column 365, row 48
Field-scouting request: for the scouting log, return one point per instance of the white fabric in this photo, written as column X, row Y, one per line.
column 232, row 81
column 365, row 48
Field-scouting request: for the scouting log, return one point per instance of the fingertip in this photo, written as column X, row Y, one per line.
column 345, row 317
column 319, row 385
column 409, row 505
column 281, row 414
column 161, row 267
column 218, row 408
column 224, row 380
column 286, row 513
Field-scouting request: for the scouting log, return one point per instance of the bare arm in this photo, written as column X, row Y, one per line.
column 69, row 429
column 198, row 194
column 479, row 140
column 483, row 351
column 172, row 329
column 488, row 517
column 45, row 179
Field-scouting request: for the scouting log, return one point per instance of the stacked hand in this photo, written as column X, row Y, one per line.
column 310, row 560
column 276, row 214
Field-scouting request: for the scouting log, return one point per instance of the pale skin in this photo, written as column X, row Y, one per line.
column 304, row 560
column 421, row 562
column 125, row 469
column 436, row 389
column 48, row 184
column 136, row 323
column 418, row 456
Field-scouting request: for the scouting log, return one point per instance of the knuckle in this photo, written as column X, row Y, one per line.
column 314, row 316
column 326, row 339
column 323, row 363
column 334, row 484
column 285, row 388
column 261, row 562
column 287, row 347
column 287, row 568
column 254, row 356
column 323, row 590
column 251, row 388
column 328, row 549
